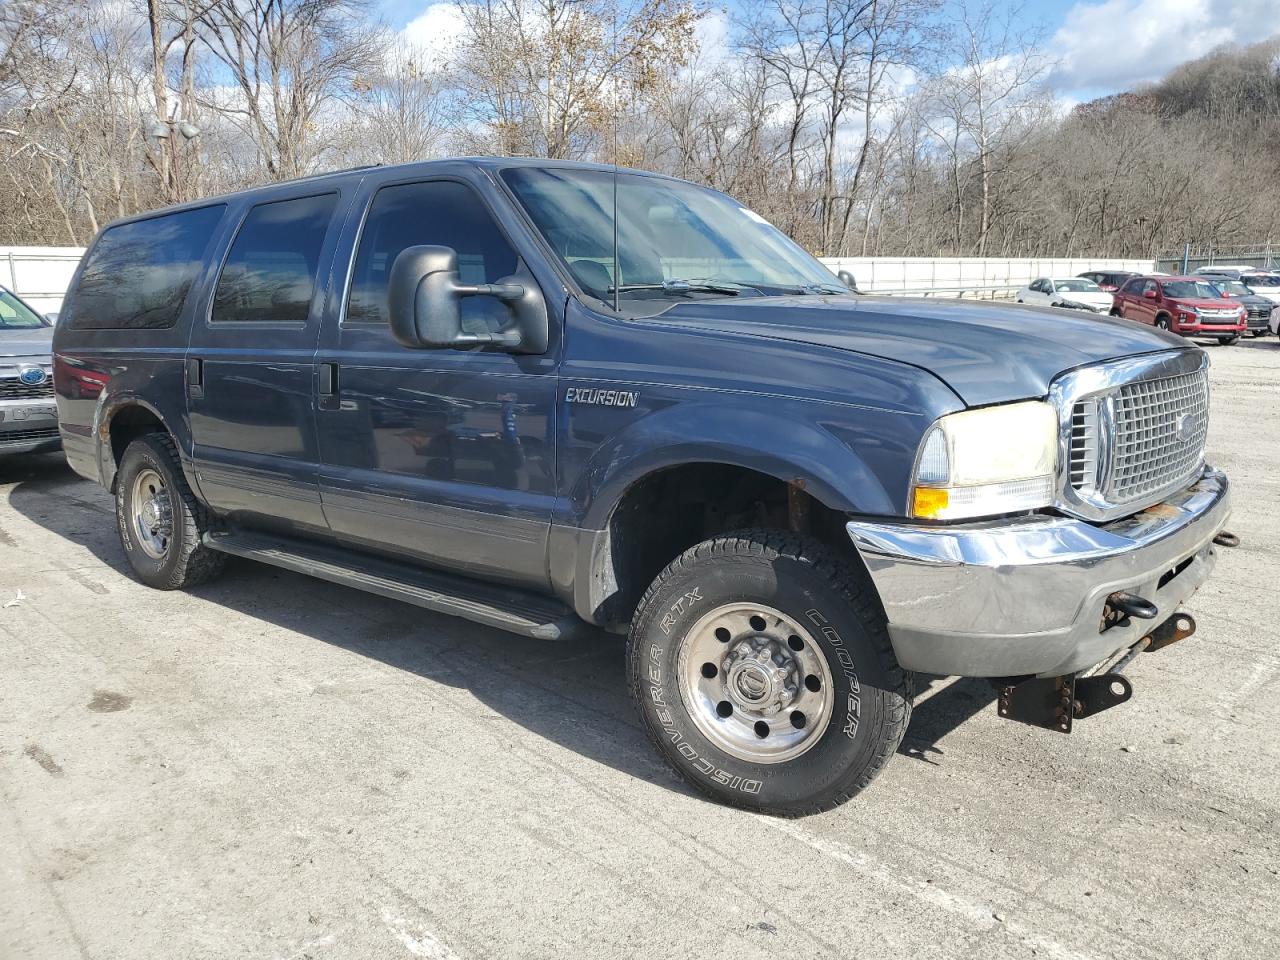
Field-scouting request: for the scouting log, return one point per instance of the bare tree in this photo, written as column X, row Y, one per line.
column 547, row 77
column 288, row 60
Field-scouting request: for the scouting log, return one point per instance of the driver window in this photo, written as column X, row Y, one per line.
column 442, row 213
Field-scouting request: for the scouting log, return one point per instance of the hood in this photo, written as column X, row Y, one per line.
column 986, row 352
column 27, row 343
column 1249, row 299
column 1091, row 298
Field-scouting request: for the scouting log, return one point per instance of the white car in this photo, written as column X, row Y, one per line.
column 1263, row 284
column 1067, row 292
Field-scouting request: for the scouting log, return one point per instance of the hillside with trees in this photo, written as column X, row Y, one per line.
column 889, row 127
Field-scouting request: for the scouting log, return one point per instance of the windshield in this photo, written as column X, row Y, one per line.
column 16, row 315
column 1262, row 280
column 1191, row 290
column 1078, row 285
column 675, row 240
column 1233, row 287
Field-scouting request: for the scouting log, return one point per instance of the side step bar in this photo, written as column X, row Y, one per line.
column 506, row 608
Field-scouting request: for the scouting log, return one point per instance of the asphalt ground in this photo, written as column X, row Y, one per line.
column 275, row 767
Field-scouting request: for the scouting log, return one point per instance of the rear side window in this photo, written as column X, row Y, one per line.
column 139, row 274
column 441, row 212
column 270, row 273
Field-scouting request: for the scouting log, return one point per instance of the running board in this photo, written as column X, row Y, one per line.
column 506, row 608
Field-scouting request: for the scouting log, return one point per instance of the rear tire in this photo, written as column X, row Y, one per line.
column 159, row 519
column 763, row 672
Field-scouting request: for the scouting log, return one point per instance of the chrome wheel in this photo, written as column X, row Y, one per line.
column 755, row 683
column 152, row 514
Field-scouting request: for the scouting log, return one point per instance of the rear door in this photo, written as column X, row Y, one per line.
column 442, row 456
column 251, row 364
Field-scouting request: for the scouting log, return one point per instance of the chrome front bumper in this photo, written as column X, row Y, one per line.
column 1014, row 597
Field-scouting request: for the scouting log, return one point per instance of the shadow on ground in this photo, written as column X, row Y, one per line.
column 571, row 692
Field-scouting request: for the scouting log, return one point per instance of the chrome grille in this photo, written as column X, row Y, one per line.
column 1132, row 431
column 1160, row 430
column 17, row 390
column 1083, row 460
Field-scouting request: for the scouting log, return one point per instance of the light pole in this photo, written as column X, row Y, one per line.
column 168, row 134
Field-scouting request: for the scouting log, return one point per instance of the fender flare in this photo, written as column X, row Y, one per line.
column 725, row 432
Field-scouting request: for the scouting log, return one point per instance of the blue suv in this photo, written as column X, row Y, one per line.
column 546, row 395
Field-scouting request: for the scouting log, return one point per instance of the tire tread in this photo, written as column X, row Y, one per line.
column 853, row 585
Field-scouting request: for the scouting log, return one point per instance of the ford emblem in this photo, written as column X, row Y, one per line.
column 32, row 376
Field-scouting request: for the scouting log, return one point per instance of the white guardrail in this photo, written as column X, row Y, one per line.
column 40, row 275
column 988, row 278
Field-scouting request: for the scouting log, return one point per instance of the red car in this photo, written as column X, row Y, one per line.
column 1191, row 306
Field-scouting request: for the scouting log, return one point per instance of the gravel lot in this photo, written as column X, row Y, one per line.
column 276, row 767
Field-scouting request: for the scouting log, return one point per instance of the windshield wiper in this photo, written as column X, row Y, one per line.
column 729, row 287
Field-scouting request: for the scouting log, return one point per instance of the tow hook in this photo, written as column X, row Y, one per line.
column 1226, row 539
column 1054, row 703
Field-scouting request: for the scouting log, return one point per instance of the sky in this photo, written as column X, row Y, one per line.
column 1102, row 46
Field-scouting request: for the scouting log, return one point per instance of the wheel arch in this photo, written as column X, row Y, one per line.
column 121, row 421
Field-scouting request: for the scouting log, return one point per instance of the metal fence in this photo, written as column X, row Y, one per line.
column 1189, row 258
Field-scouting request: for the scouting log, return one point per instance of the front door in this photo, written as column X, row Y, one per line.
column 251, row 366
column 445, row 457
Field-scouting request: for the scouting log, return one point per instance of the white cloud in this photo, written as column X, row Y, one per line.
column 1116, row 44
column 436, row 31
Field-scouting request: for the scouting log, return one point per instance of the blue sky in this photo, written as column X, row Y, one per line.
column 1101, row 46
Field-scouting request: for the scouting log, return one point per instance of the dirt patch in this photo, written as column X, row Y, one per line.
column 104, row 701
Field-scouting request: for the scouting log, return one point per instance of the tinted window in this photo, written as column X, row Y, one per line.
column 1133, row 286
column 270, row 274
column 139, row 273
column 443, row 213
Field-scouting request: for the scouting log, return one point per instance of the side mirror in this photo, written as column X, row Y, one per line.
column 425, row 304
column 1151, row 295
column 848, row 280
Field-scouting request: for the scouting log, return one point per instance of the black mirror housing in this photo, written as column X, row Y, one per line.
column 848, row 280
column 424, row 297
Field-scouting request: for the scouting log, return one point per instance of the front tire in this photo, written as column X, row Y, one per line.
column 763, row 673
column 159, row 519
column 1228, row 341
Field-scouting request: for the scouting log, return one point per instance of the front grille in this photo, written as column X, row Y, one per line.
column 12, row 389
column 1259, row 310
column 27, row 436
column 1138, row 440
column 1160, row 430
column 1229, row 318
column 1083, row 465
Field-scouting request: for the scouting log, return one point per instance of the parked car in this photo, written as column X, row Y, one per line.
column 1191, row 306
column 1263, row 284
column 1232, row 271
column 1066, row 292
column 1108, row 280
column 540, row 395
column 28, row 416
column 1258, row 309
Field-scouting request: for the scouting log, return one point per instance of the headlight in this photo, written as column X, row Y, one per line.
column 979, row 463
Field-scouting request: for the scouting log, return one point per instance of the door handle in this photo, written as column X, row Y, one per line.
column 195, row 376
column 328, row 385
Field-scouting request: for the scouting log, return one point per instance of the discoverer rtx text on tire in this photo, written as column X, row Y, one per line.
column 762, row 670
